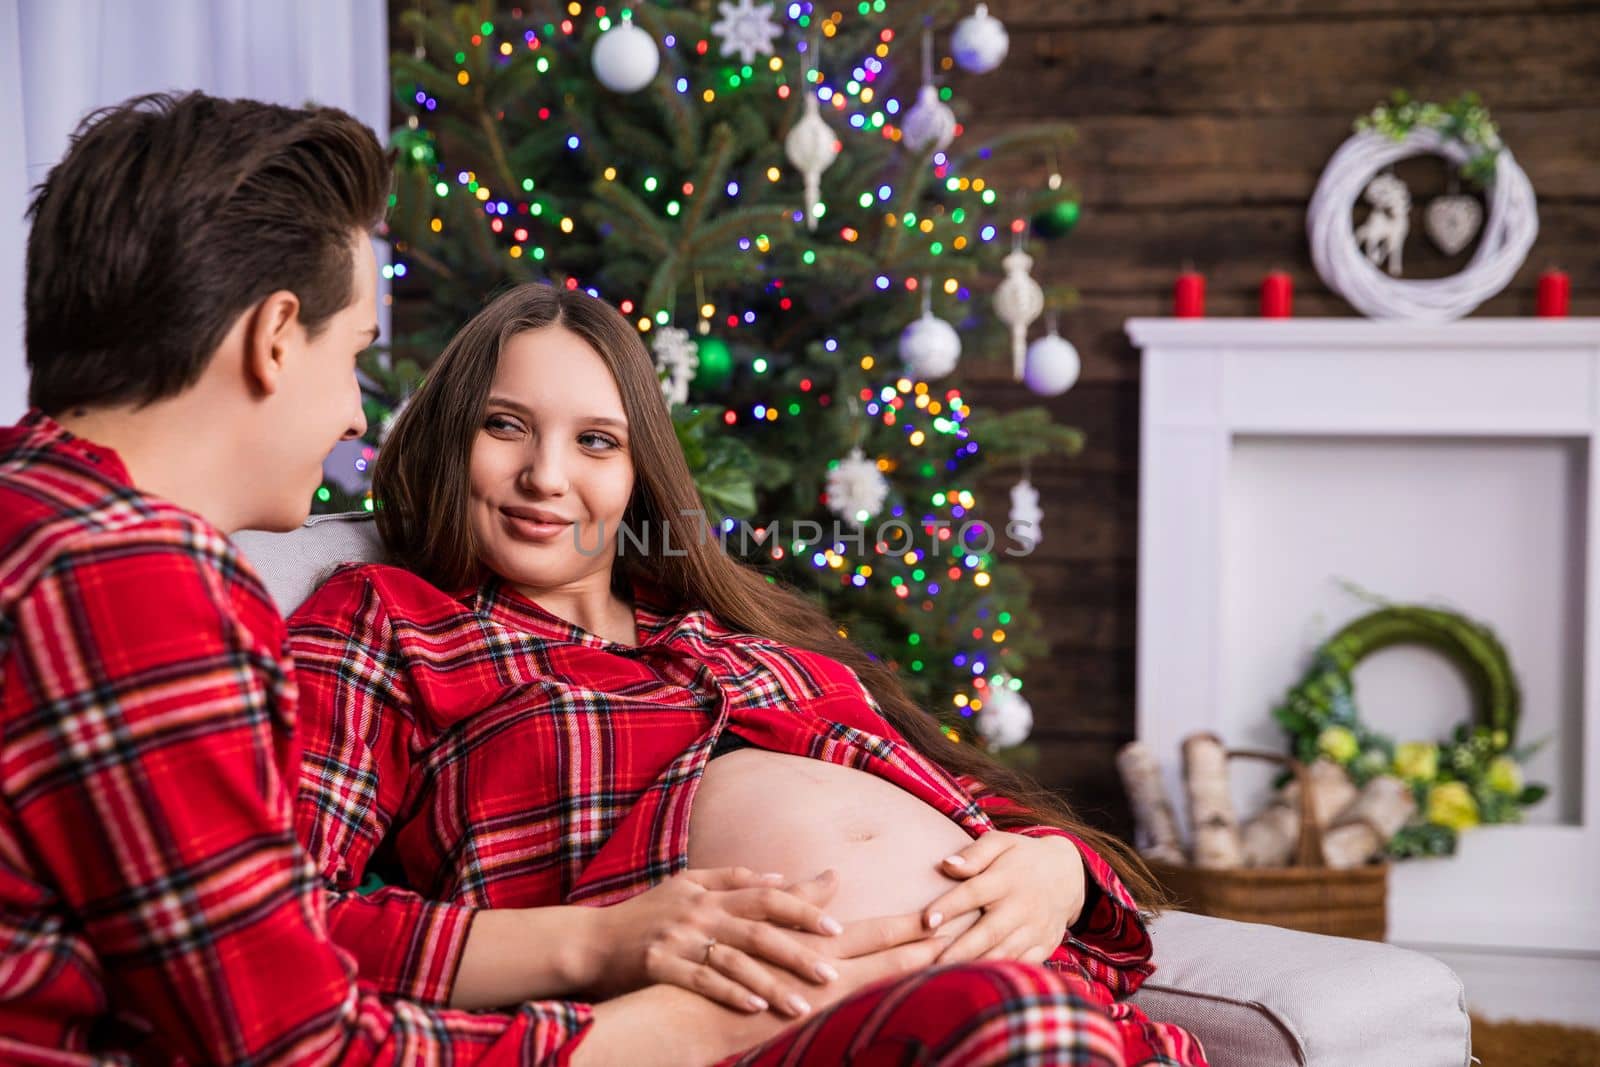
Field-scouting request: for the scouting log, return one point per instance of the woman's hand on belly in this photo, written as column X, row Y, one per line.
column 706, row 930
column 1023, row 892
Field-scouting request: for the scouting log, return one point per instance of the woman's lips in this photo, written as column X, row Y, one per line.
column 532, row 526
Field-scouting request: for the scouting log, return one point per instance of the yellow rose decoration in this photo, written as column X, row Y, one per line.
column 1505, row 776
column 1417, row 761
column 1338, row 744
column 1451, row 804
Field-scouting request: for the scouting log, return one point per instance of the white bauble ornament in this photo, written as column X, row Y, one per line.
column 856, row 488
column 625, row 58
column 812, row 147
column 980, row 41
column 678, row 356
column 1025, row 516
column 930, row 347
column 930, row 123
column 745, row 29
column 1051, row 366
column 1018, row 300
column 1006, row 718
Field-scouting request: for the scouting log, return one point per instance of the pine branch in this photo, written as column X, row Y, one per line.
column 627, row 209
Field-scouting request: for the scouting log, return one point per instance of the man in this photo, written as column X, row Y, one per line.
column 199, row 283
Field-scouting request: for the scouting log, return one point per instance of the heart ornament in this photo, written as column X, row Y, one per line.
column 1452, row 222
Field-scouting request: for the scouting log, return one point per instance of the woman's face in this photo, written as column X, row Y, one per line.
column 551, row 473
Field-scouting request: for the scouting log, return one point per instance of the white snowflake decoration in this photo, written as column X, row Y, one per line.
column 679, row 357
column 746, row 29
column 1006, row 718
column 1025, row 515
column 856, row 488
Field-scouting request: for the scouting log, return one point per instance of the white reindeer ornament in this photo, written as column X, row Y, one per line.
column 1383, row 235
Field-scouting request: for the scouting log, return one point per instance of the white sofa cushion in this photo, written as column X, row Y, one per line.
column 1261, row 996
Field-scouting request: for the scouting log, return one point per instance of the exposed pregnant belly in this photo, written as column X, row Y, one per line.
column 771, row 811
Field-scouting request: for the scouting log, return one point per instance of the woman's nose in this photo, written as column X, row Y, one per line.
column 544, row 474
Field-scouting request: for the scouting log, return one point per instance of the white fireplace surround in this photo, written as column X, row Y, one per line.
column 1448, row 463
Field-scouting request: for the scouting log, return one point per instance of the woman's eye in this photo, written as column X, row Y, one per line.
column 500, row 424
column 597, row 441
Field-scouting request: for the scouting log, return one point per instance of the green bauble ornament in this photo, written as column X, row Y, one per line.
column 1057, row 219
column 716, row 363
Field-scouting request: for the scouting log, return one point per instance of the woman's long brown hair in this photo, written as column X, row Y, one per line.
column 421, row 481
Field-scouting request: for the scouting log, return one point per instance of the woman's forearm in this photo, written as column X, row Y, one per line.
column 517, row 954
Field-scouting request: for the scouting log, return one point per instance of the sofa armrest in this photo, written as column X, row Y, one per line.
column 1263, row 996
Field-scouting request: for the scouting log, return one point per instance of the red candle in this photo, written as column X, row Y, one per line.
column 1277, row 295
column 1189, row 295
column 1555, row 295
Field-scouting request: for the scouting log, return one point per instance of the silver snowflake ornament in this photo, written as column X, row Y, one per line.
column 746, row 28
column 855, row 488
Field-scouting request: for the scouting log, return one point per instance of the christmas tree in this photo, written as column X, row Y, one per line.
column 785, row 202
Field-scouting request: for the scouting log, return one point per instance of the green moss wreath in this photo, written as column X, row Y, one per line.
column 1474, row 777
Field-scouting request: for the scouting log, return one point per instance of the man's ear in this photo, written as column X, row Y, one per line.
column 272, row 326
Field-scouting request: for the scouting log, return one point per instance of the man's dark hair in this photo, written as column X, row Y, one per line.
column 170, row 216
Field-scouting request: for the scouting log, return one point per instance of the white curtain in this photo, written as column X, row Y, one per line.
column 60, row 59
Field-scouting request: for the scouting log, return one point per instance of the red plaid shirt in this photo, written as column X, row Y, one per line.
column 154, row 903
column 490, row 754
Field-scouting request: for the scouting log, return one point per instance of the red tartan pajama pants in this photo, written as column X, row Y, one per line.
column 989, row 1014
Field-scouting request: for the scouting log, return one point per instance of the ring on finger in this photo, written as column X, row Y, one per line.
column 711, row 943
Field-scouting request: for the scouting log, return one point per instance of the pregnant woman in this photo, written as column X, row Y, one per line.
column 529, row 711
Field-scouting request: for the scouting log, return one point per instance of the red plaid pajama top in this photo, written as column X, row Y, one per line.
column 154, row 903
column 489, row 754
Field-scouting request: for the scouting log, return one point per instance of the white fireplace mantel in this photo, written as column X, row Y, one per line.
column 1446, row 462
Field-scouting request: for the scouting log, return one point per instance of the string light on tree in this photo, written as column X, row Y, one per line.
column 625, row 58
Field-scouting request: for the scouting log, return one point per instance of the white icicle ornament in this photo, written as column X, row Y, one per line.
column 980, row 41
column 1025, row 516
column 812, row 147
column 929, row 123
column 929, row 347
column 1018, row 300
column 679, row 356
column 856, row 488
column 1006, row 717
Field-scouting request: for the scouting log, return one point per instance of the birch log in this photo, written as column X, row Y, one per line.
column 1156, row 827
column 1363, row 829
column 1332, row 791
column 1270, row 837
column 1205, row 778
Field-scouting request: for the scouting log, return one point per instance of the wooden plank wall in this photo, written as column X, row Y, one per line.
column 1203, row 127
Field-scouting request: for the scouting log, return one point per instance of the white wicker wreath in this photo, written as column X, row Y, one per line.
column 1512, row 225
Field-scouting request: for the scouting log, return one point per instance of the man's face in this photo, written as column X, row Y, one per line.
column 318, row 403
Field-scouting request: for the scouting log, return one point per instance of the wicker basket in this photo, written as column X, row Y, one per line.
column 1308, row 896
